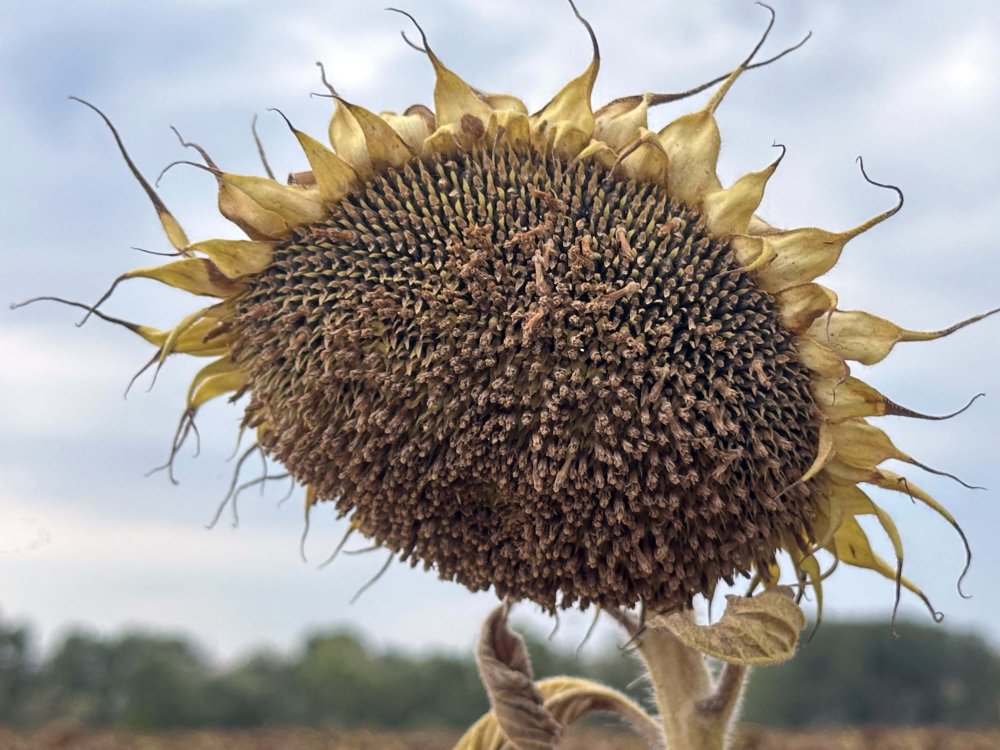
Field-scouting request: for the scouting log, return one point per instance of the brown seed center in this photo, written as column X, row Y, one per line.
column 534, row 375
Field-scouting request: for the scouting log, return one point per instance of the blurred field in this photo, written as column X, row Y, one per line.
column 66, row 737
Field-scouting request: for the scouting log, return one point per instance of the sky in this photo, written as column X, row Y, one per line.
column 86, row 540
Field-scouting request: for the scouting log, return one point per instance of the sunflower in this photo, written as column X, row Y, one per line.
column 548, row 353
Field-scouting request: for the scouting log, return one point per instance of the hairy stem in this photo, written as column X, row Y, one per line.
column 696, row 710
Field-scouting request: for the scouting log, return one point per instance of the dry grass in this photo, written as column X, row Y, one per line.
column 65, row 737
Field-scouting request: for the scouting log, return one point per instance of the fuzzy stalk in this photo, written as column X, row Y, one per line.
column 697, row 710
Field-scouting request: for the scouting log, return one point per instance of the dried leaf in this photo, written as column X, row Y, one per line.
column 576, row 698
column 763, row 629
column 569, row 699
column 530, row 716
column 517, row 703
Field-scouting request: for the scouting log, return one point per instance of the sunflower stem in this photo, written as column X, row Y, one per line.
column 697, row 711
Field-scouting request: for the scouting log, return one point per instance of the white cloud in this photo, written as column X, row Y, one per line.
column 59, row 384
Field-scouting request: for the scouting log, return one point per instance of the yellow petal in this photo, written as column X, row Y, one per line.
column 890, row 481
column 296, row 205
column 258, row 223
column 800, row 305
column 855, row 503
column 809, row 566
column 334, row 177
column 566, row 699
column 752, row 253
column 571, row 698
column 413, row 126
column 729, row 211
column 801, row 255
column 829, row 514
column 175, row 233
column 213, row 380
column 868, row 339
column 760, row 228
column 720, row 93
column 861, row 444
column 564, row 138
column 599, row 152
column 183, row 327
column 348, row 141
column 236, row 258
column 851, row 398
column 385, row 146
column 445, row 140
column 505, row 102
column 850, row 545
column 453, row 97
column 572, row 104
column 727, row 84
column 691, row 143
column 618, row 123
column 845, row 473
column 172, row 228
column 804, row 254
column 485, row 734
column 646, row 161
column 312, row 496
column 194, row 340
column 822, row 361
column 508, row 126
column 195, row 275
column 824, row 453
column 847, row 399
column 864, row 446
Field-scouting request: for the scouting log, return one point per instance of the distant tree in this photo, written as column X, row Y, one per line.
column 158, row 682
column 16, row 672
column 137, row 681
column 75, row 683
column 339, row 679
column 434, row 690
column 851, row 673
column 263, row 690
column 861, row 674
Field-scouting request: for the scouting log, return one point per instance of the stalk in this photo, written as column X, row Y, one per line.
column 696, row 711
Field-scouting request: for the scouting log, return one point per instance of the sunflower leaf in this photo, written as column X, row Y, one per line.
column 763, row 629
column 518, row 705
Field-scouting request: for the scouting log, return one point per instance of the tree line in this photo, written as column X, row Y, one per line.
column 851, row 673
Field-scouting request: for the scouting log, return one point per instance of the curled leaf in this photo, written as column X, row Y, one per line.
column 530, row 716
column 575, row 698
column 517, row 703
column 569, row 699
column 763, row 629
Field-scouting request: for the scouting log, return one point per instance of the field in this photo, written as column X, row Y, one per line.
column 65, row 737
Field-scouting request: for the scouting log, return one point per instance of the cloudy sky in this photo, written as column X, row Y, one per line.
column 85, row 539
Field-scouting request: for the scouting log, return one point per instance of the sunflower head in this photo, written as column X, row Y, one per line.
column 545, row 352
